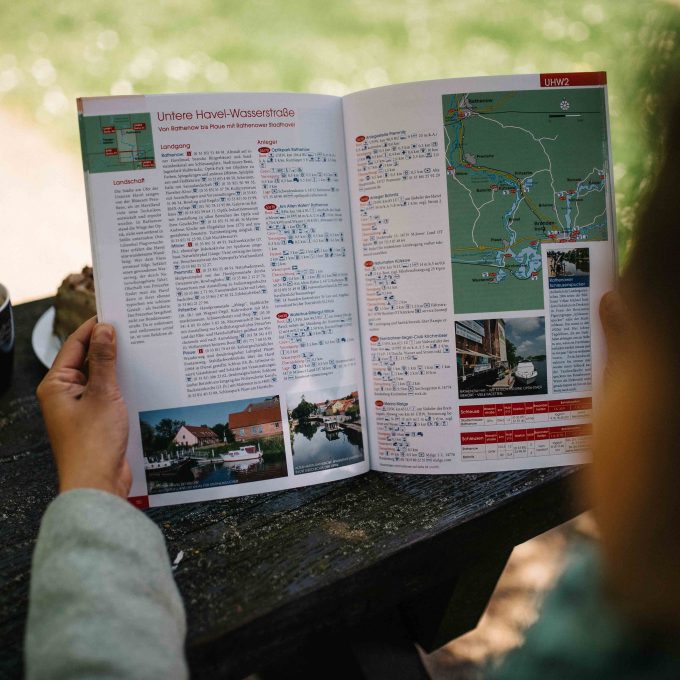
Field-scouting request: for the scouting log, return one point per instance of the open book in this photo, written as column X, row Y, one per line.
column 306, row 287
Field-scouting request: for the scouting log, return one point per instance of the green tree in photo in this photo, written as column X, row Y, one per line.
column 352, row 412
column 166, row 429
column 511, row 351
column 148, row 437
column 219, row 429
column 303, row 410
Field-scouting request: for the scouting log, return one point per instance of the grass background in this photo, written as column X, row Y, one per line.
column 51, row 53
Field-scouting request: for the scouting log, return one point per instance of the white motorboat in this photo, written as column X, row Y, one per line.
column 525, row 373
column 240, row 466
column 249, row 452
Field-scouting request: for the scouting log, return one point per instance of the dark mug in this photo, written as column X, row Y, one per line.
column 6, row 338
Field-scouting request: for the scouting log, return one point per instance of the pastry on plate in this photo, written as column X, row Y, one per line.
column 75, row 303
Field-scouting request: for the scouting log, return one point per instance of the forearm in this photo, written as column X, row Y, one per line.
column 103, row 602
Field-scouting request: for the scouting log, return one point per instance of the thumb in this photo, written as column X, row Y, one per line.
column 614, row 317
column 102, row 358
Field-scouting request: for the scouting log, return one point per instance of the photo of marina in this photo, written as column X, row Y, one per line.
column 501, row 357
column 209, row 445
column 325, row 429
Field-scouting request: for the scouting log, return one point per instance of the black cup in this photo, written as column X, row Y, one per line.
column 6, row 338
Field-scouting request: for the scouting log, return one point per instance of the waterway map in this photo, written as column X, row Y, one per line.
column 522, row 168
column 116, row 143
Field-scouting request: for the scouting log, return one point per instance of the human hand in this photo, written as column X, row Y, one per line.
column 615, row 323
column 633, row 479
column 86, row 417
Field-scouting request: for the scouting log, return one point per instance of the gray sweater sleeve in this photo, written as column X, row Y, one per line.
column 103, row 601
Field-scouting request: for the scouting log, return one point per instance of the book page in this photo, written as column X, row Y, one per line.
column 485, row 238
column 223, row 256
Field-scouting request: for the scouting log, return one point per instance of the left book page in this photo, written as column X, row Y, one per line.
column 223, row 255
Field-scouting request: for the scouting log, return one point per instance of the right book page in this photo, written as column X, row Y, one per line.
column 484, row 234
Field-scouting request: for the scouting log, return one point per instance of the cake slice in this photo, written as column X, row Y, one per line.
column 75, row 303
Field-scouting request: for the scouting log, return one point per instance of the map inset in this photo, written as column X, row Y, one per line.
column 117, row 143
column 522, row 168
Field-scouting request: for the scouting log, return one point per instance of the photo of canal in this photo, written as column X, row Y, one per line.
column 315, row 449
column 325, row 427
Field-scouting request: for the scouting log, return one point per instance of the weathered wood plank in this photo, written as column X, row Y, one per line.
column 454, row 607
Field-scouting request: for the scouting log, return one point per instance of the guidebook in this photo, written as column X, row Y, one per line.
column 308, row 287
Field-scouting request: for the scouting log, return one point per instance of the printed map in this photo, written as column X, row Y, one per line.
column 523, row 168
column 117, row 143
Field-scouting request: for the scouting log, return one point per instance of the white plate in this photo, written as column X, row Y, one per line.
column 45, row 343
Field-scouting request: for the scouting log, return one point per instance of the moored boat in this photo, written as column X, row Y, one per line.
column 249, row 452
column 525, row 373
column 240, row 465
column 331, row 425
column 168, row 469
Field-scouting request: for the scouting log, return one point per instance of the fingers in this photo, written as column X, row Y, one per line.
column 102, row 358
column 613, row 315
column 73, row 351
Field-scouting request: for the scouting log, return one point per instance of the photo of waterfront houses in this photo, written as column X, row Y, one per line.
column 325, row 427
column 501, row 357
column 195, row 447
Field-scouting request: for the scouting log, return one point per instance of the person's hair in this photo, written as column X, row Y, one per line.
column 651, row 287
column 651, row 278
column 652, row 273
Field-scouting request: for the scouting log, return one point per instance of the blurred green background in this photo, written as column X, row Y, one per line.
column 50, row 53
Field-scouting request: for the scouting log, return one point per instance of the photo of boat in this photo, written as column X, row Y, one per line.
column 240, row 465
column 525, row 373
column 168, row 469
column 249, row 452
column 331, row 425
column 187, row 448
column 204, row 470
column 501, row 357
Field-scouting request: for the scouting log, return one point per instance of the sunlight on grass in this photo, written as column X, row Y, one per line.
column 53, row 52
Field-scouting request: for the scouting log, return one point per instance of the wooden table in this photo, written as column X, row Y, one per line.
column 335, row 580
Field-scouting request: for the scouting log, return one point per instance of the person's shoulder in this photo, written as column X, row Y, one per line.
column 580, row 633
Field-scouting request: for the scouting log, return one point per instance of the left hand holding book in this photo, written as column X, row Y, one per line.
column 85, row 414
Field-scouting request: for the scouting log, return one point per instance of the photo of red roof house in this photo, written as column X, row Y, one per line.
column 339, row 406
column 262, row 419
column 334, row 407
column 191, row 435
